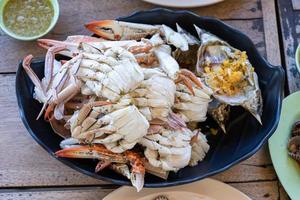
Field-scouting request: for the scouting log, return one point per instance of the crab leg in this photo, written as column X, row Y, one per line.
column 91, row 152
column 74, row 41
column 26, row 65
column 72, row 44
column 191, row 76
column 187, row 82
column 101, row 153
column 84, row 112
column 49, row 63
column 58, row 94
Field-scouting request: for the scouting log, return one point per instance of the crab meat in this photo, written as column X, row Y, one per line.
column 294, row 148
column 155, row 95
column 167, row 149
column 192, row 108
column 118, row 130
column 169, row 65
column 142, row 50
column 110, row 75
column 100, row 152
column 199, row 147
column 240, row 87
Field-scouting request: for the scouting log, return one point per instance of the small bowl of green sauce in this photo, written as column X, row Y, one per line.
column 28, row 19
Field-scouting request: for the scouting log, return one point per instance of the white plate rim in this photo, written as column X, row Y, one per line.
column 183, row 4
column 219, row 189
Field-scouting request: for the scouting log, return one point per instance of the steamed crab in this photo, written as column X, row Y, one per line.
column 58, row 86
column 111, row 74
column 192, row 107
column 173, row 149
column 106, row 75
column 152, row 53
column 228, row 72
column 155, row 95
column 115, row 126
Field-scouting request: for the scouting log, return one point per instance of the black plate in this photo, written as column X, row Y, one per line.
column 245, row 136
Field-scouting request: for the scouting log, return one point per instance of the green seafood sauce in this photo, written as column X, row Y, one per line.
column 28, row 17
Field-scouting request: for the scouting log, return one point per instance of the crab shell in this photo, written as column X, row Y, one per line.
column 214, row 51
column 219, row 112
column 294, row 142
column 187, row 59
column 296, row 129
column 294, row 148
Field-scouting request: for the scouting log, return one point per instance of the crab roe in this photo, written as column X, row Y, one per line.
column 230, row 77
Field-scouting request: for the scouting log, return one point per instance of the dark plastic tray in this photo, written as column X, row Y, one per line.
column 244, row 137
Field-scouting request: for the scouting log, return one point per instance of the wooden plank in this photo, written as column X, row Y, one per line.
column 16, row 50
column 244, row 172
column 271, row 32
column 232, row 9
column 290, row 28
column 265, row 190
column 38, row 168
column 261, row 158
column 92, row 193
column 282, row 193
column 254, row 30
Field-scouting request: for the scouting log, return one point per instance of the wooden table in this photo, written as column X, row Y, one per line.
column 28, row 172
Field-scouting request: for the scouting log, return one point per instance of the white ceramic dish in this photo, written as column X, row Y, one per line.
column 182, row 3
column 206, row 189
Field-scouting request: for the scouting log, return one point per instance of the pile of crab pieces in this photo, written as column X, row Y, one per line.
column 125, row 100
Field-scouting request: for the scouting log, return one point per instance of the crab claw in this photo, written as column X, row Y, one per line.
column 137, row 169
column 91, row 152
column 102, row 164
column 121, row 169
column 117, row 30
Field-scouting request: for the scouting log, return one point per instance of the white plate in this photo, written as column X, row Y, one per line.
column 207, row 189
column 183, row 3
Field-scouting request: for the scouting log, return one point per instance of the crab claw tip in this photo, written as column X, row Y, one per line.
column 137, row 181
column 103, row 28
column 75, row 152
